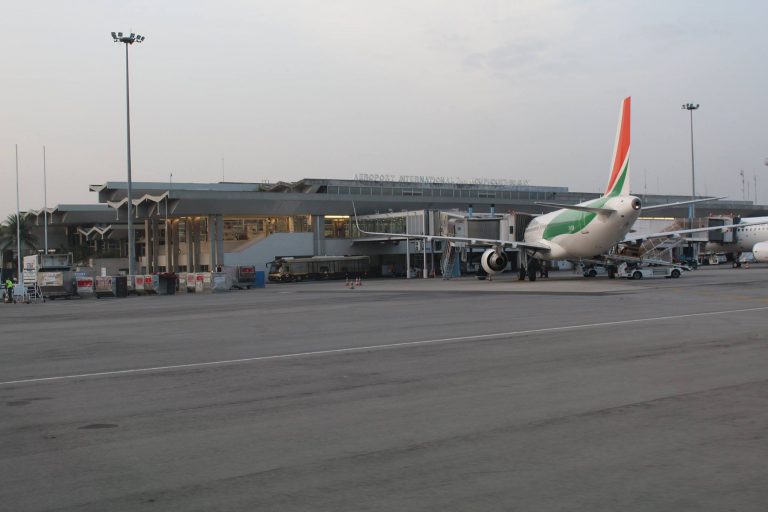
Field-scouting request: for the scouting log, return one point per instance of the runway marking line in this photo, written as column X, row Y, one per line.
column 373, row 347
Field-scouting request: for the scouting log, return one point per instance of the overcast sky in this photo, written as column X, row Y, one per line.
column 282, row 90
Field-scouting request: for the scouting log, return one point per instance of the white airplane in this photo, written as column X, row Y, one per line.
column 580, row 231
column 751, row 235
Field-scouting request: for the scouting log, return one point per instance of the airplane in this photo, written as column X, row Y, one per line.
column 574, row 232
column 749, row 237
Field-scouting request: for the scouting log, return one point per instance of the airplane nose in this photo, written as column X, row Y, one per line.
column 636, row 204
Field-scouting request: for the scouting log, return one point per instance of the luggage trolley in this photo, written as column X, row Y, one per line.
column 27, row 294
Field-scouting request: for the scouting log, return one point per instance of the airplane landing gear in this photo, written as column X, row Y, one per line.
column 531, row 269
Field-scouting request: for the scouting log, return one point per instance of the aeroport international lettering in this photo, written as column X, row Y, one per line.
column 405, row 178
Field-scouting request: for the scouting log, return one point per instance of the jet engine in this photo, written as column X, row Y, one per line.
column 760, row 252
column 494, row 261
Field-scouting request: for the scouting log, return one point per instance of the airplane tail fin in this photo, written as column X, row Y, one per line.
column 619, row 179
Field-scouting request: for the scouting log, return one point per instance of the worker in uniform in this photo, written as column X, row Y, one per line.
column 9, row 290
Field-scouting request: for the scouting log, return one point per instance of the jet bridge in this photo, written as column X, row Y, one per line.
column 487, row 226
column 728, row 236
column 455, row 257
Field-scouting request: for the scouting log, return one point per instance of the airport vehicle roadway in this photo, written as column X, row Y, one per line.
column 563, row 394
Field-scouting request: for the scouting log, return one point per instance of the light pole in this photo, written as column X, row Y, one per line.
column 129, row 39
column 45, row 203
column 18, row 222
column 692, row 211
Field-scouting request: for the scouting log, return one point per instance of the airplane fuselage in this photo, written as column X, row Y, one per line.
column 572, row 234
column 746, row 237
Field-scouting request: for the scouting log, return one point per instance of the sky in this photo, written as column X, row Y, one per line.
column 251, row 91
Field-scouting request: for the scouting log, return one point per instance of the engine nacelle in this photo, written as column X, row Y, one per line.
column 760, row 252
column 494, row 262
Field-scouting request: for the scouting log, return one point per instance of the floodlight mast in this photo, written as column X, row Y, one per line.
column 129, row 39
column 692, row 209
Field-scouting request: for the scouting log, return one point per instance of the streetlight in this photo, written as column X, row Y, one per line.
column 129, row 39
column 45, row 203
column 691, row 213
column 18, row 223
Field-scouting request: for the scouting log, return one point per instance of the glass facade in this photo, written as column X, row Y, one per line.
column 410, row 190
column 248, row 228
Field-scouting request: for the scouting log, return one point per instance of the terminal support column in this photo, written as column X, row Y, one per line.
column 147, row 246
column 196, row 243
column 155, row 244
column 318, row 234
column 188, row 229
column 220, row 239
column 212, row 242
column 168, row 246
column 175, row 242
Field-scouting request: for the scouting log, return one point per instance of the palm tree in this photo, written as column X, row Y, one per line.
column 8, row 230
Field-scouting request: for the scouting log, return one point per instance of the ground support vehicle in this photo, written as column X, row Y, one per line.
column 648, row 272
column 284, row 270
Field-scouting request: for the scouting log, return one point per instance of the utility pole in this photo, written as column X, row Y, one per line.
column 18, row 222
column 129, row 39
column 407, row 249
column 741, row 173
column 692, row 209
column 755, row 176
column 45, row 203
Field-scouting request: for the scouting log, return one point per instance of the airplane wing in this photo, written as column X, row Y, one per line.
column 469, row 240
column 589, row 209
column 680, row 203
column 680, row 232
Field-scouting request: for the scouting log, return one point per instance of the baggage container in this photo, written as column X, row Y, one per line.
column 203, row 282
column 151, row 284
column 181, row 283
column 165, row 283
column 191, row 282
column 245, row 277
column 56, row 284
column 221, row 282
column 138, row 285
column 111, row 286
column 85, row 286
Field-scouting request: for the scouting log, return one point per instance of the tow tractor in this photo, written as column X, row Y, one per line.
column 647, row 272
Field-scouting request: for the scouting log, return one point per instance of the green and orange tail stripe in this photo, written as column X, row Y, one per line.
column 619, row 181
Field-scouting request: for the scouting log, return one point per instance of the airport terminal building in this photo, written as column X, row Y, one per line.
column 195, row 227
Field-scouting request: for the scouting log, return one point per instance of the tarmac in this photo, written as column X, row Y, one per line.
column 563, row 394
